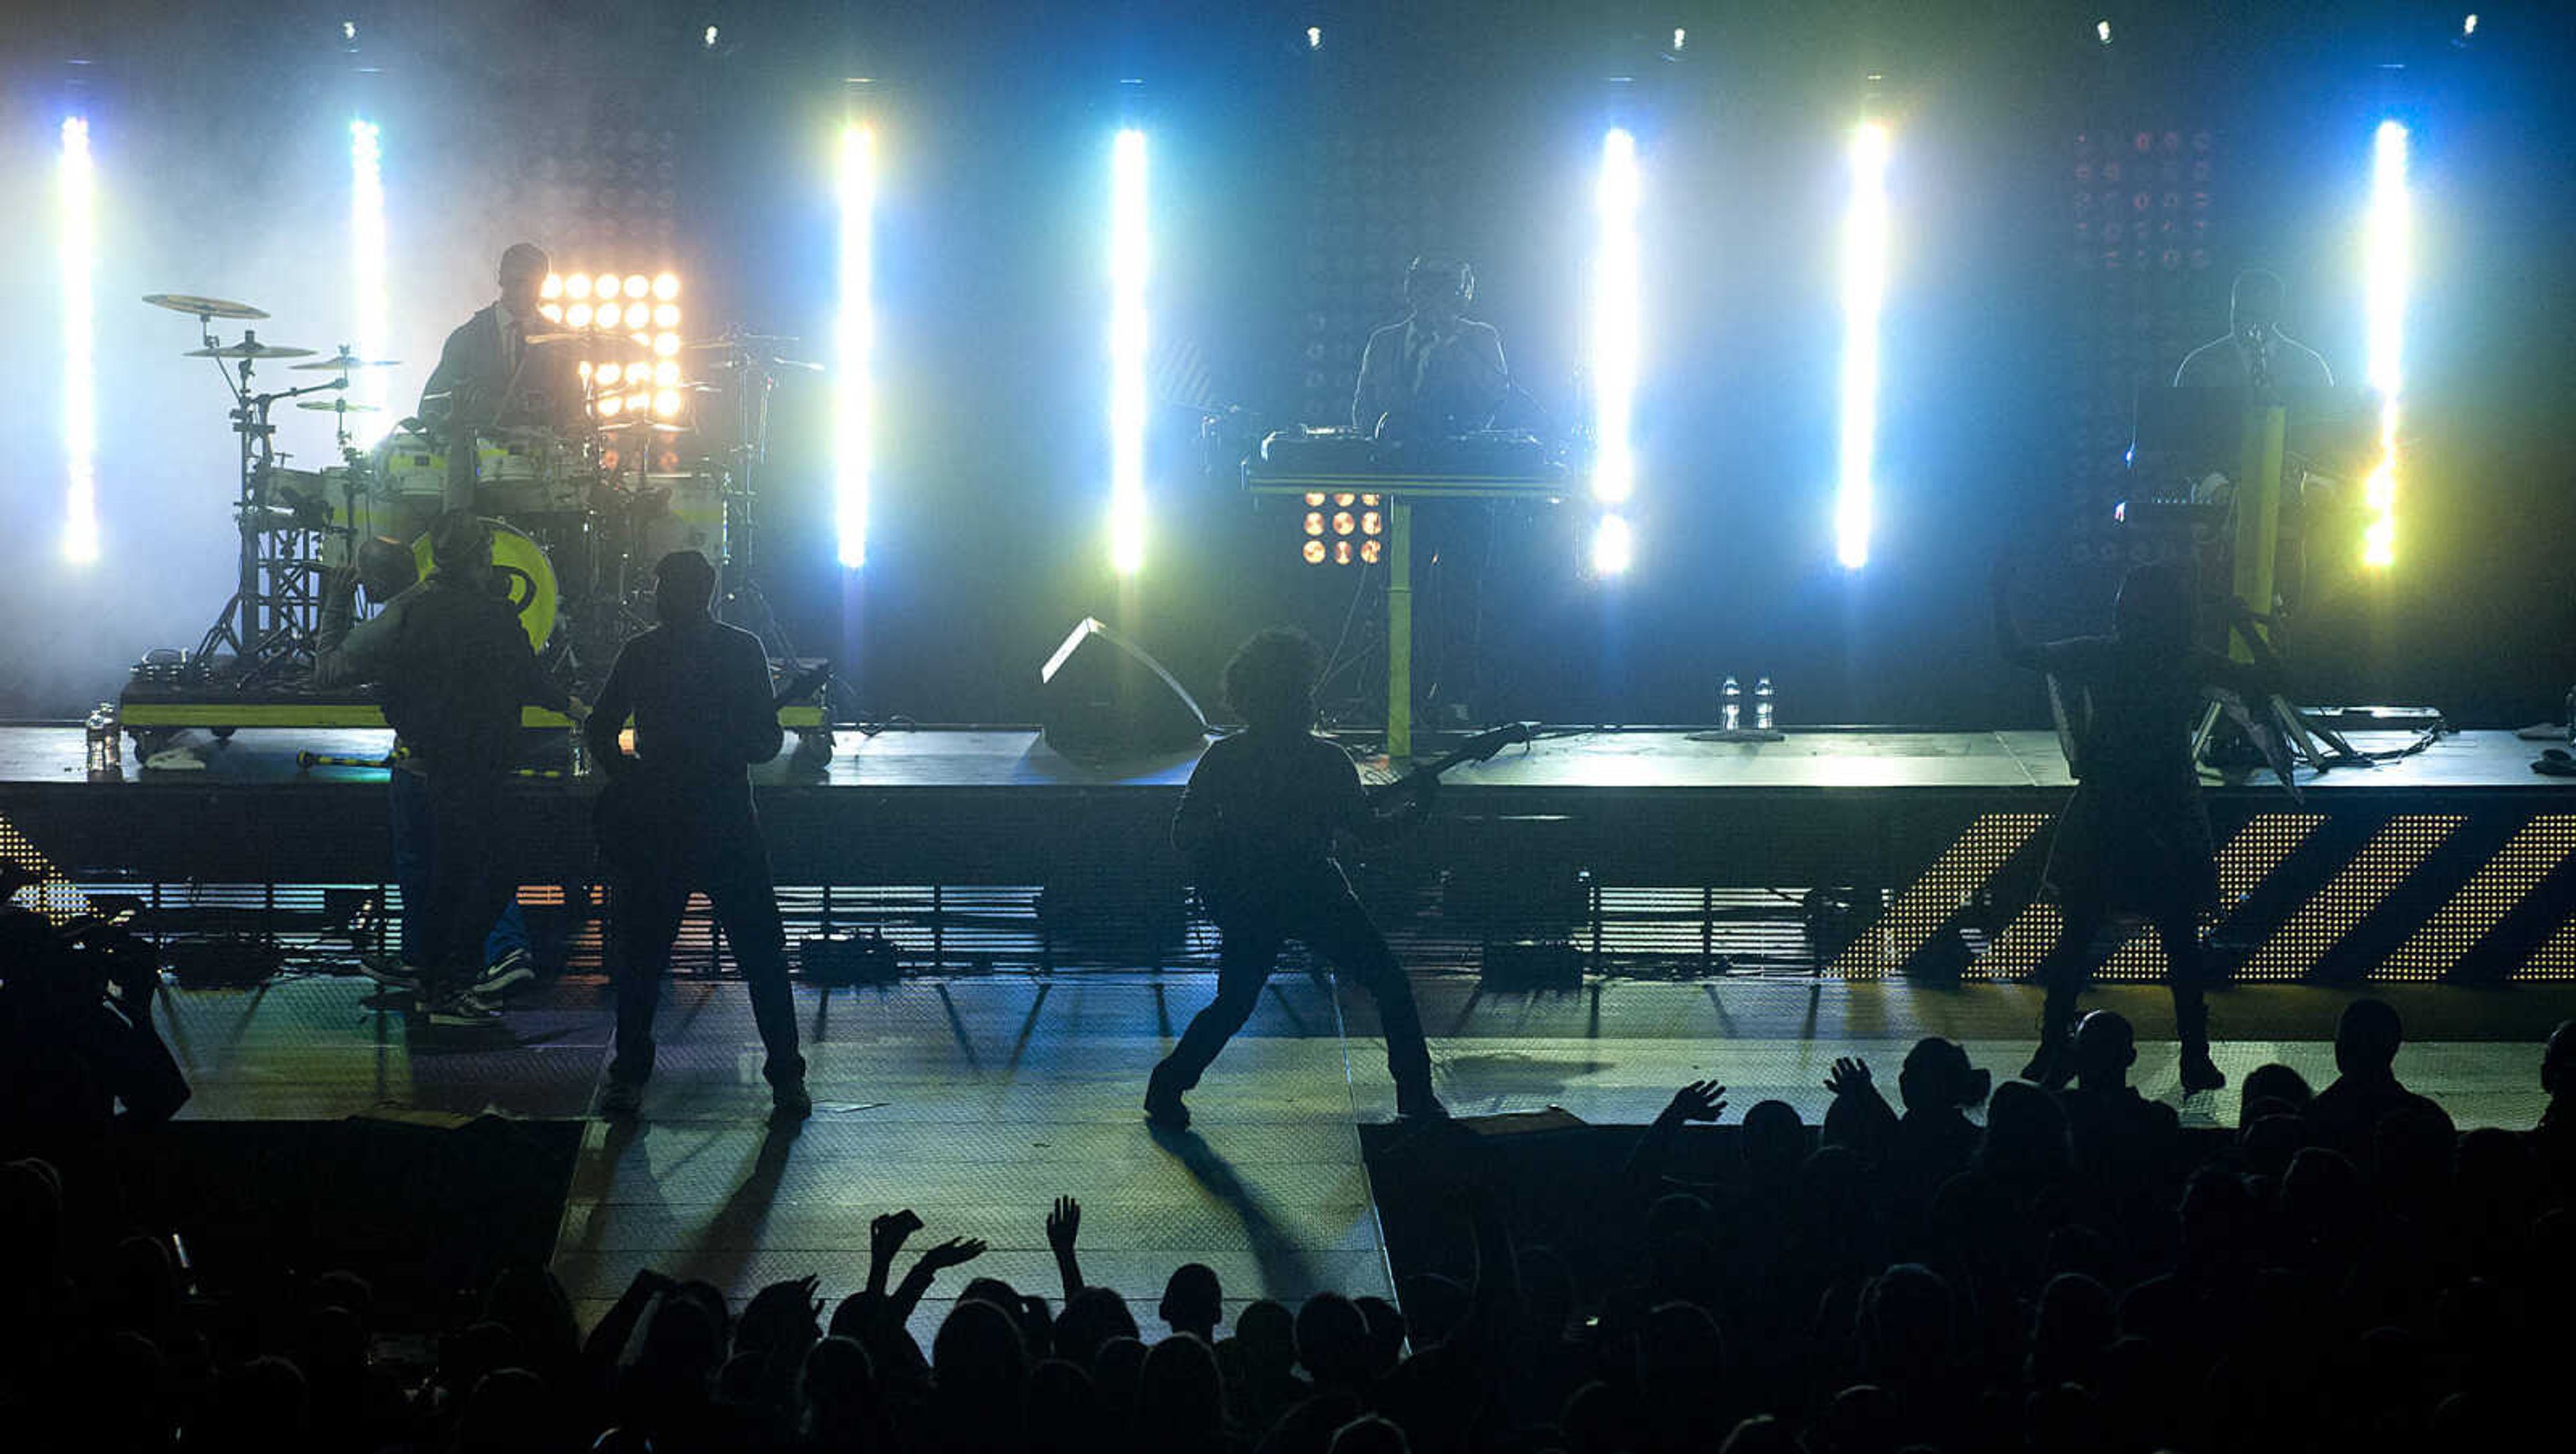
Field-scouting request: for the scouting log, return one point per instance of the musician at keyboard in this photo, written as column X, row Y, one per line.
column 1438, row 373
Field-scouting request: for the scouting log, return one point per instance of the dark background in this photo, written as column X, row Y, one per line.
column 1288, row 187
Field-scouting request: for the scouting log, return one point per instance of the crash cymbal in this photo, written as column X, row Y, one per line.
column 746, row 342
column 190, row 303
column 344, row 362
column 629, row 426
column 248, row 349
column 337, row 406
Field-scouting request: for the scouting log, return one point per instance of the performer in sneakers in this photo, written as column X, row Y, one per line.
column 2135, row 837
column 456, row 667
column 1257, row 824
column 678, row 816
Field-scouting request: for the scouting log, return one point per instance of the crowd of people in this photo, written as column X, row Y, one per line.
column 1969, row 1266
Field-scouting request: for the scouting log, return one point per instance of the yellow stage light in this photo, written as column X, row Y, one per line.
column 610, row 405
column 640, row 340
column 1341, row 552
column 666, row 344
column 1314, row 501
column 1314, row 522
column 553, row 286
column 1368, row 502
column 577, row 287
column 667, row 373
column 605, row 285
column 666, row 315
column 1314, row 552
column 1342, row 522
column 667, row 403
column 583, row 368
column 637, row 285
column 610, row 315
column 609, row 374
column 551, row 312
column 1372, row 523
column 1345, row 501
column 1371, row 551
column 578, row 315
column 666, row 287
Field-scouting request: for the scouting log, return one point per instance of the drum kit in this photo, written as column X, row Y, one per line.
column 580, row 514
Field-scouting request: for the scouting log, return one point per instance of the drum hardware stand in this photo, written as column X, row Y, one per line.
column 270, row 622
column 745, row 604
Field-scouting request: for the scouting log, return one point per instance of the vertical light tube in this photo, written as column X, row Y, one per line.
column 367, row 266
column 79, row 244
column 1865, row 249
column 854, row 410
column 2389, row 267
column 1614, row 350
column 1130, row 259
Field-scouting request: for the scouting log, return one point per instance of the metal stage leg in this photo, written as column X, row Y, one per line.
column 2258, row 514
column 1399, row 630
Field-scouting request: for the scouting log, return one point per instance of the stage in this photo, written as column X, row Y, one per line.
column 978, row 1100
column 1631, row 852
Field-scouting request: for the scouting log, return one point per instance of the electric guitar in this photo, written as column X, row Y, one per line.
column 619, row 818
column 1223, row 877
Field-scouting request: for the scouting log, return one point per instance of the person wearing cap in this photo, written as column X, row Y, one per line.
column 454, row 666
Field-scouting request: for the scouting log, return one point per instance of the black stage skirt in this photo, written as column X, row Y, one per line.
column 2137, row 852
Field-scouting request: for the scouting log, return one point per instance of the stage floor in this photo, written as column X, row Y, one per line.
column 1569, row 758
column 976, row 1100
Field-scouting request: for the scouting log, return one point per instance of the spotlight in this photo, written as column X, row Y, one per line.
column 710, row 38
column 348, row 30
column 1681, row 38
column 666, row 315
column 637, row 285
column 605, row 285
column 1344, row 501
column 1614, row 546
column 583, row 368
column 2390, row 264
column 1314, row 552
column 1314, row 522
column 608, row 315
column 2102, row 31
column 1614, row 334
column 1130, row 257
column 666, row 374
column 611, row 405
column 1371, row 551
column 1343, row 524
column 578, row 315
column 1315, row 36
column 1369, row 500
column 666, row 403
column 553, row 286
column 1341, row 552
column 854, row 419
column 79, row 242
column 666, row 287
column 1314, row 498
column 1864, row 292
column 639, row 339
column 665, row 345
column 577, row 287
column 367, row 266
column 551, row 312
column 1372, row 523
column 2469, row 26
column 609, row 374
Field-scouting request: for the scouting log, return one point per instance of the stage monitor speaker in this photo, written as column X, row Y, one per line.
column 1101, row 695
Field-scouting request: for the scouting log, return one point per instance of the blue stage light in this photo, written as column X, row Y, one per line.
column 854, row 407
column 79, row 247
column 1615, row 348
column 1865, row 249
column 367, row 268
column 1130, row 263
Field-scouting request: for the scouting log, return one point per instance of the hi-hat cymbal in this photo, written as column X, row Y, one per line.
column 747, row 342
column 344, row 362
column 199, row 307
column 657, row 426
column 337, row 406
column 247, row 350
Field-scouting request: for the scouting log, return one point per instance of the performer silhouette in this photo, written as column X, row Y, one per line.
column 1257, row 824
column 2135, row 837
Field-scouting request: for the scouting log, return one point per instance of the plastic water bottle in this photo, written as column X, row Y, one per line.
column 1730, row 705
column 106, row 753
column 1762, row 704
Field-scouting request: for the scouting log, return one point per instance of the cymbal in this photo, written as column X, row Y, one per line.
column 247, row 350
column 744, row 341
column 344, row 362
column 657, row 426
column 337, row 406
column 196, row 306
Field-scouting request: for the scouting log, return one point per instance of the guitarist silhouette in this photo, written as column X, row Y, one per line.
column 1257, row 824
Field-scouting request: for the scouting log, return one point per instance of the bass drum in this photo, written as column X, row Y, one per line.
column 522, row 566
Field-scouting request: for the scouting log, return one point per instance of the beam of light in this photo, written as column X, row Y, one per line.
column 2390, row 262
column 854, row 413
column 1865, row 249
column 367, row 265
column 80, row 338
column 1614, row 347
column 1130, row 259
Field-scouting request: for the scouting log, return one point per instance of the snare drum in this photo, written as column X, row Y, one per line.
column 522, row 566
column 524, row 472
column 408, row 467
